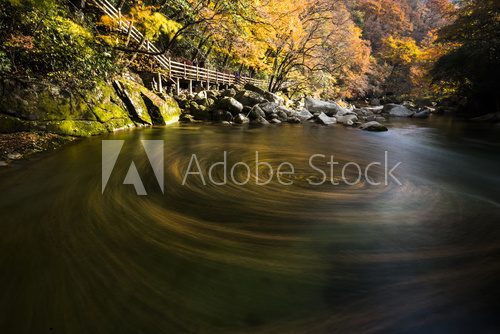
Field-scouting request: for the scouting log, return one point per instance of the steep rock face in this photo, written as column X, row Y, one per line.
column 162, row 110
column 35, row 105
column 43, row 106
column 130, row 93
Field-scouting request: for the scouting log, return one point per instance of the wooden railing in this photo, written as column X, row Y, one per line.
column 174, row 70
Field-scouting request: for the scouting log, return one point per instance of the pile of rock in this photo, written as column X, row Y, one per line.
column 256, row 106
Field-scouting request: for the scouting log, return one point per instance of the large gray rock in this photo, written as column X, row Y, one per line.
column 347, row 119
column 326, row 120
column 260, row 121
column 257, row 112
column 269, row 108
column 304, row 115
column 230, row 104
column 241, row 119
column 275, row 121
column 218, row 115
column 422, row 114
column 282, row 115
column 329, row 108
column 375, row 110
column 228, row 117
column 294, row 120
column 265, row 94
column 373, row 126
column 398, row 110
column 231, row 92
column 186, row 118
column 249, row 98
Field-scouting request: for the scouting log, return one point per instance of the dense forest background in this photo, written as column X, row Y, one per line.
column 400, row 49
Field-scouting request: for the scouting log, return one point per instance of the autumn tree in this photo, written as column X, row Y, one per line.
column 472, row 68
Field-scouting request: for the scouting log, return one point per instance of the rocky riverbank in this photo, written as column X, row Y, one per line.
column 35, row 105
column 22, row 145
column 252, row 105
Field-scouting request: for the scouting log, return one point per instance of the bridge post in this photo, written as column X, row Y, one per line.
column 190, row 86
column 160, row 84
column 178, row 86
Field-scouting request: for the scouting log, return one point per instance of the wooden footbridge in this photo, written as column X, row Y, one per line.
column 174, row 71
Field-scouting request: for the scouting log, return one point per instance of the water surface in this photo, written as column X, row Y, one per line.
column 421, row 257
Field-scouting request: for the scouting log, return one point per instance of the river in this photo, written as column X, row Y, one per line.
column 422, row 256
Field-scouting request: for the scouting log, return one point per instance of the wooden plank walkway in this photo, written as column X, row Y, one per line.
column 175, row 71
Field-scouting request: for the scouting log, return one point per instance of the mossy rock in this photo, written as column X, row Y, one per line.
column 130, row 93
column 76, row 128
column 44, row 106
column 162, row 111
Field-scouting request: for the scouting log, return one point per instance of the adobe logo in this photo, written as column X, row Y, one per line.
column 154, row 151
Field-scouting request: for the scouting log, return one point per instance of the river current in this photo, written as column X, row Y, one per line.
column 418, row 256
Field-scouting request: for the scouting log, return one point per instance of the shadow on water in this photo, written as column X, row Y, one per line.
column 421, row 257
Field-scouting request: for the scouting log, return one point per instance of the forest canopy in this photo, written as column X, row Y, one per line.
column 329, row 48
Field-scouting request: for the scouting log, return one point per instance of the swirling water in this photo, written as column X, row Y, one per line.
column 420, row 257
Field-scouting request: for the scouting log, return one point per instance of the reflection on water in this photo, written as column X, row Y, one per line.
column 418, row 258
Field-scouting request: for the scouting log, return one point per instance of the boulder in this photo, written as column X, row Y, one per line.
column 241, row 119
column 265, row 94
column 375, row 102
column 249, row 98
column 246, row 110
column 282, row 116
column 231, row 92
column 275, row 121
column 272, row 116
column 218, row 115
column 422, row 114
column 329, row 108
column 398, row 110
column 201, row 96
column 186, row 118
column 230, row 104
column 269, row 107
column 162, row 110
column 212, row 94
column 260, row 121
column 130, row 93
column 326, row 120
column 375, row 110
column 14, row 156
column 257, row 112
column 373, row 126
column 228, row 117
column 360, row 112
column 294, row 120
column 347, row 119
column 304, row 115
column 380, row 119
column 288, row 112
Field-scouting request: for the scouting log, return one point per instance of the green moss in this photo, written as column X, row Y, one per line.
column 132, row 97
column 76, row 128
